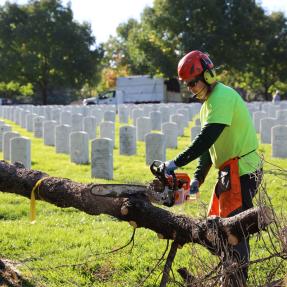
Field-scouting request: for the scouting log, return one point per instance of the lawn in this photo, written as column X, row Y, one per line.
column 66, row 247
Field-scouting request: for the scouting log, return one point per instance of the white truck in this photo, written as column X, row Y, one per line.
column 133, row 89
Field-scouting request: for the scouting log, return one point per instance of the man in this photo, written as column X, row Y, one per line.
column 227, row 140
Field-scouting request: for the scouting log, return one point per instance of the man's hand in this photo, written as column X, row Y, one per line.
column 194, row 190
column 194, row 187
column 169, row 166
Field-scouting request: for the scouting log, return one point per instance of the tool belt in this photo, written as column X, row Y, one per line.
column 227, row 195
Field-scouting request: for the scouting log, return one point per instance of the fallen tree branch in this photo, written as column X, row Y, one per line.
column 132, row 204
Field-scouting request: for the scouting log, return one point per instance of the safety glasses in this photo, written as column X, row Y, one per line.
column 192, row 83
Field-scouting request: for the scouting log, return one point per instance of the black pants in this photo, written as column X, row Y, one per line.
column 241, row 252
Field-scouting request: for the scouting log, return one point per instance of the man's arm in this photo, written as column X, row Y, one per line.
column 207, row 137
column 203, row 167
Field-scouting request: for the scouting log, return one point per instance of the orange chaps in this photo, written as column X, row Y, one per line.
column 227, row 195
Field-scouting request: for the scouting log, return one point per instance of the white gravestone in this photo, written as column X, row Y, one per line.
column 109, row 116
column 102, row 158
column 257, row 116
column 56, row 113
column 49, row 132
column 156, row 120
column 38, row 126
column 279, row 141
column 30, row 122
column 185, row 113
column 107, row 130
column 7, row 136
column 79, row 147
column 170, row 132
column 136, row 113
column 62, row 133
column 266, row 125
column 3, row 129
column 155, row 147
column 179, row 120
column 128, row 143
column 20, row 150
column 66, row 118
column 165, row 113
column 143, row 127
column 123, row 114
column 281, row 115
column 90, row 126
column 77, row 122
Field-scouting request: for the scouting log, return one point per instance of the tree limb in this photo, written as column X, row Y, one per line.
column 131, row 203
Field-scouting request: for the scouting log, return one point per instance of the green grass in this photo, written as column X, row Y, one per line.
column 50, row 249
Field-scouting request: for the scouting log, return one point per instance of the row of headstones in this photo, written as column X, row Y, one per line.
column 271, row 124
column 73, row 115
column 76, row 143
column 15, row 147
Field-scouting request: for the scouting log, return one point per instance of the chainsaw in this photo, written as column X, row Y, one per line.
column 174, row 188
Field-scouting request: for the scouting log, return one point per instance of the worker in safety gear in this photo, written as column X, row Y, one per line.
column 228, row 141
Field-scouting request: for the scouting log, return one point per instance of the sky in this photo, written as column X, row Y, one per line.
column 106, row 15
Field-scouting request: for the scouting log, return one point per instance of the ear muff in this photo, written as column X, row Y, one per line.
column 209, row 76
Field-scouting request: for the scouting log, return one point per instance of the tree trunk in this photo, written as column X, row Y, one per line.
column 131, row 203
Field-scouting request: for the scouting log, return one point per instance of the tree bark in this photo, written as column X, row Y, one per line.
column 131, row 203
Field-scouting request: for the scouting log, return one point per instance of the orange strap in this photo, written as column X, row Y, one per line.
column 228, row 200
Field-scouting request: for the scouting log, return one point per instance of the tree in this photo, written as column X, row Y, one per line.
column 42, row 44
column 131, row 203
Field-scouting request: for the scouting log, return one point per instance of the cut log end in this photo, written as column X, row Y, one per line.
column 124, row 211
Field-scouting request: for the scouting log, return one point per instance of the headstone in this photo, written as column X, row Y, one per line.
column 79, row 147
column 281, row 115
column 7, row 136
column 165, row 113
column 20, row 150
column 30, row 122
column 128, row 143
column 185, row 113
column 123, row 114
column 155, row 147
column 102, row 158
column 56, row 113
column 136, row 113
column 257, row 116
column 49, row 132
column 77, row 122
column 107, row 130
column 109, row 116
column 3, row 129
column 66, row 118
column 279, row 141
column 38, row 126
column 156, row 120
column 170, row 132
column 143, row 127
column 179, row 120
column 90, row 126
column 62, row 133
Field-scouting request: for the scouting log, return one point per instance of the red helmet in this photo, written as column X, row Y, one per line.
column 192, row 65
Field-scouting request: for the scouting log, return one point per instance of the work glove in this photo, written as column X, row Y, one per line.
column 169, row 166
column 194, row 187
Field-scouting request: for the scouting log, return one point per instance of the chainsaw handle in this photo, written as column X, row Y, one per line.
column 156, row 169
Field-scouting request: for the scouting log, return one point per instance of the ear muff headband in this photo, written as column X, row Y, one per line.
column 209, row 75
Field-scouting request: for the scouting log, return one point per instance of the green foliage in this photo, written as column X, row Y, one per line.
column 50, row 250
column 237, row 34
column 41, row 44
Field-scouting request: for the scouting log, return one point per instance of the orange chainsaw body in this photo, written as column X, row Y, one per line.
column 183, row 185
